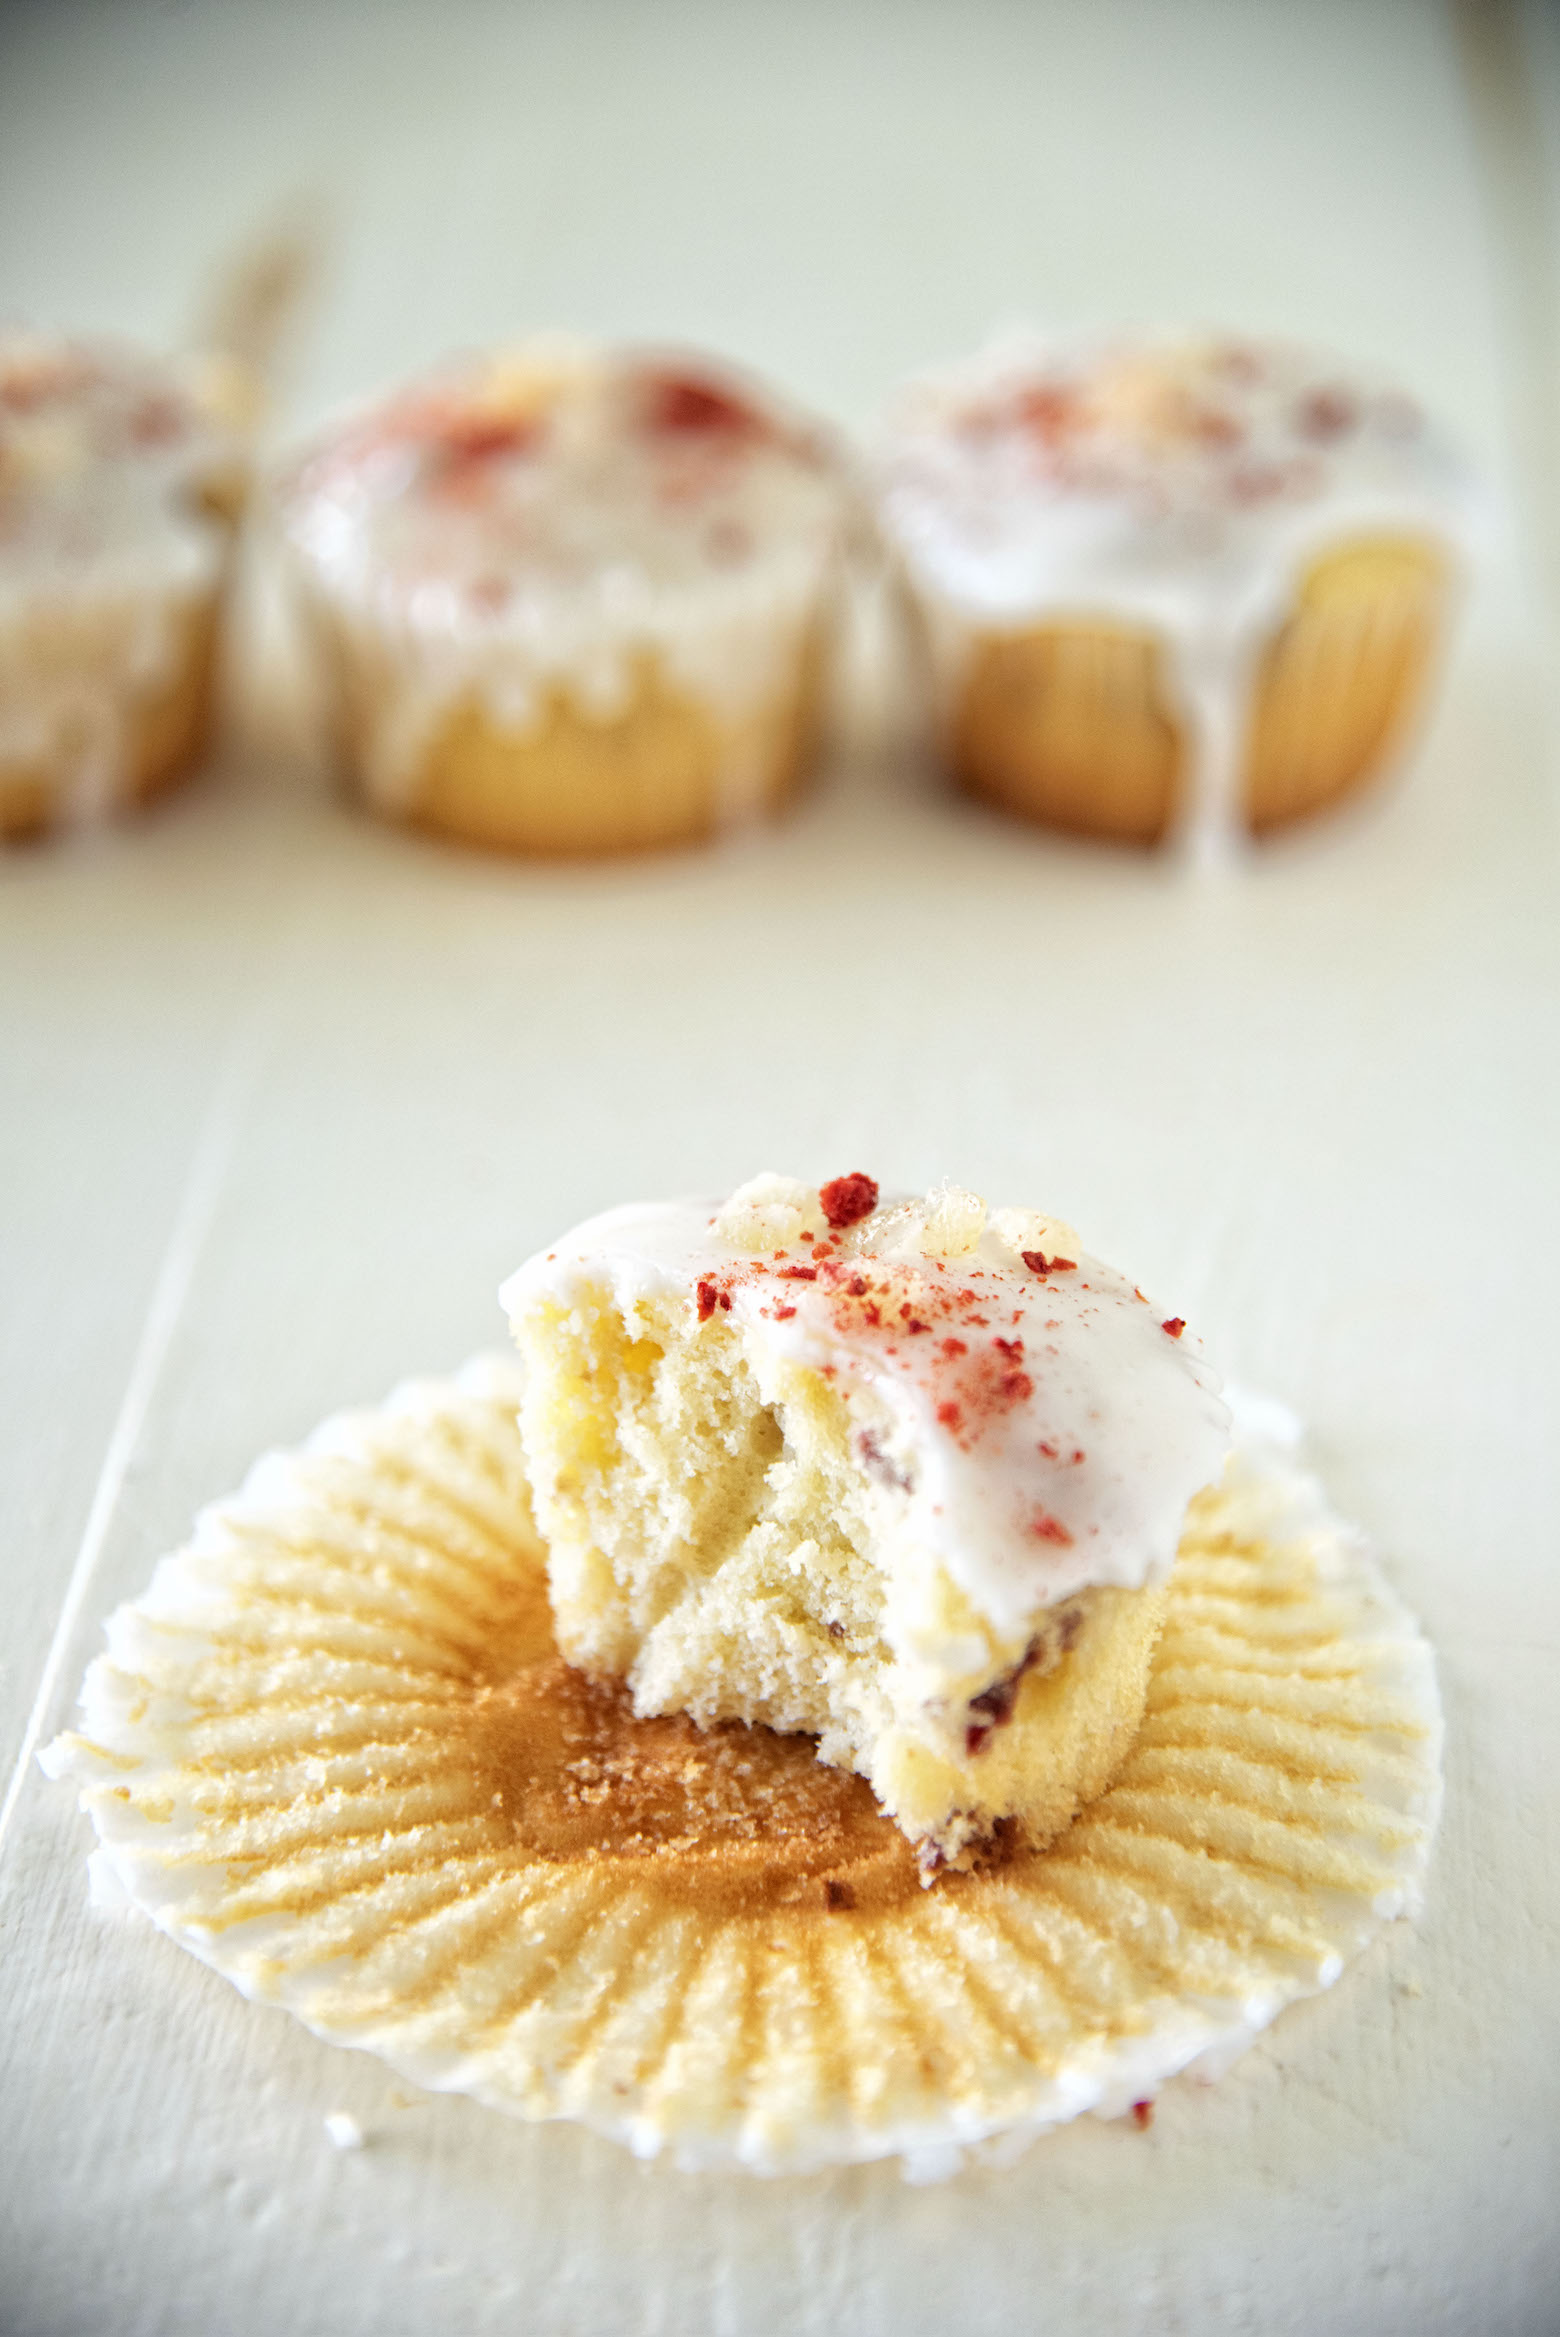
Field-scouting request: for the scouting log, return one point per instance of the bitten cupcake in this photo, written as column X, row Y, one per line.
column 122, row 476
column 1182, row 587
column 908, row 1479
column 571, row 601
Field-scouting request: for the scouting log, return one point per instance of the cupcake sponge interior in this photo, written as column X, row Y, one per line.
column 730, row 1537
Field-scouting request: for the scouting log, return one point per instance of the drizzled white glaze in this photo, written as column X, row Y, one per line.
column 105, row 546
column 1180, row 484
column 1045, row 1424
column 552, row 516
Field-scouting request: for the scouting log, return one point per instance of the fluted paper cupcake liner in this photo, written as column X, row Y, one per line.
column 333, row 1752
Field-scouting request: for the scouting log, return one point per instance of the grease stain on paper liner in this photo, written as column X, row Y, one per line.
column 333, row 1752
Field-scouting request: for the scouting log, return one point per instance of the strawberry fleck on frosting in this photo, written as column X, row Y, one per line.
column 551, row 466
column 1179, row 435
column 1043, row 1431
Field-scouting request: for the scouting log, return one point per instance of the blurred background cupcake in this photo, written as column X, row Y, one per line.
column 1188, row 586
column 122, row 479
column 571, row 601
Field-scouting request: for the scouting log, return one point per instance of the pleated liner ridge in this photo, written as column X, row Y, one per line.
column 333, row 1752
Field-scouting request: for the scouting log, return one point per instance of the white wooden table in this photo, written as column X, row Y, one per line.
column 283, row 1095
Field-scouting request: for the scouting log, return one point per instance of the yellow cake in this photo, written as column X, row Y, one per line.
column 570, row 601
column 908, row 1479
column 1186, row 588
column 121, row 482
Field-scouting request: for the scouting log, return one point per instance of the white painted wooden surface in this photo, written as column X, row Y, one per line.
column 282, row 1095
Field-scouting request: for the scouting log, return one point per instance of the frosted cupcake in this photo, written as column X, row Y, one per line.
column 1185, row 587
column 906, row 1479
column 121, row 480
column 571, row 601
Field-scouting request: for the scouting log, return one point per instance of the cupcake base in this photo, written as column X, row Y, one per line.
column 333, row 1751
column 1075, row 724
column 666, row 769
column 1070, row 725
column 118, row 726
column 1341, row 682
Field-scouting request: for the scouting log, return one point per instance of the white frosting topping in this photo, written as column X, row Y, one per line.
column 104, row 456
column 1178, row 483
column 550, row 515
column 1045, row 1425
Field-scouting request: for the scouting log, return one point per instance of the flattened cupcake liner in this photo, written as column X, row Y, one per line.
column 333, row 1752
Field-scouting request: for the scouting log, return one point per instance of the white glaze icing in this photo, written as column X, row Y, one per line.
column 552, row 515
column 1047, row 1424
column 1176, row 483
column 105, row 546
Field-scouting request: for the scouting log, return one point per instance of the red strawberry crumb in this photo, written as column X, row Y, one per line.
column 678, row 402
column 1039, row 1263
column 707, row 1299
column 1051, row 410
column 156, row 420
column 1175, row 1326
column 1211, row 426
column 477, row 438
column 846, row 1200
column 1326, row 413
column 1047, row 1528
column 1142, row 2115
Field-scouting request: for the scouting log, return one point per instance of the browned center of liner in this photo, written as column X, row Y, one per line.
column 731, row 1814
